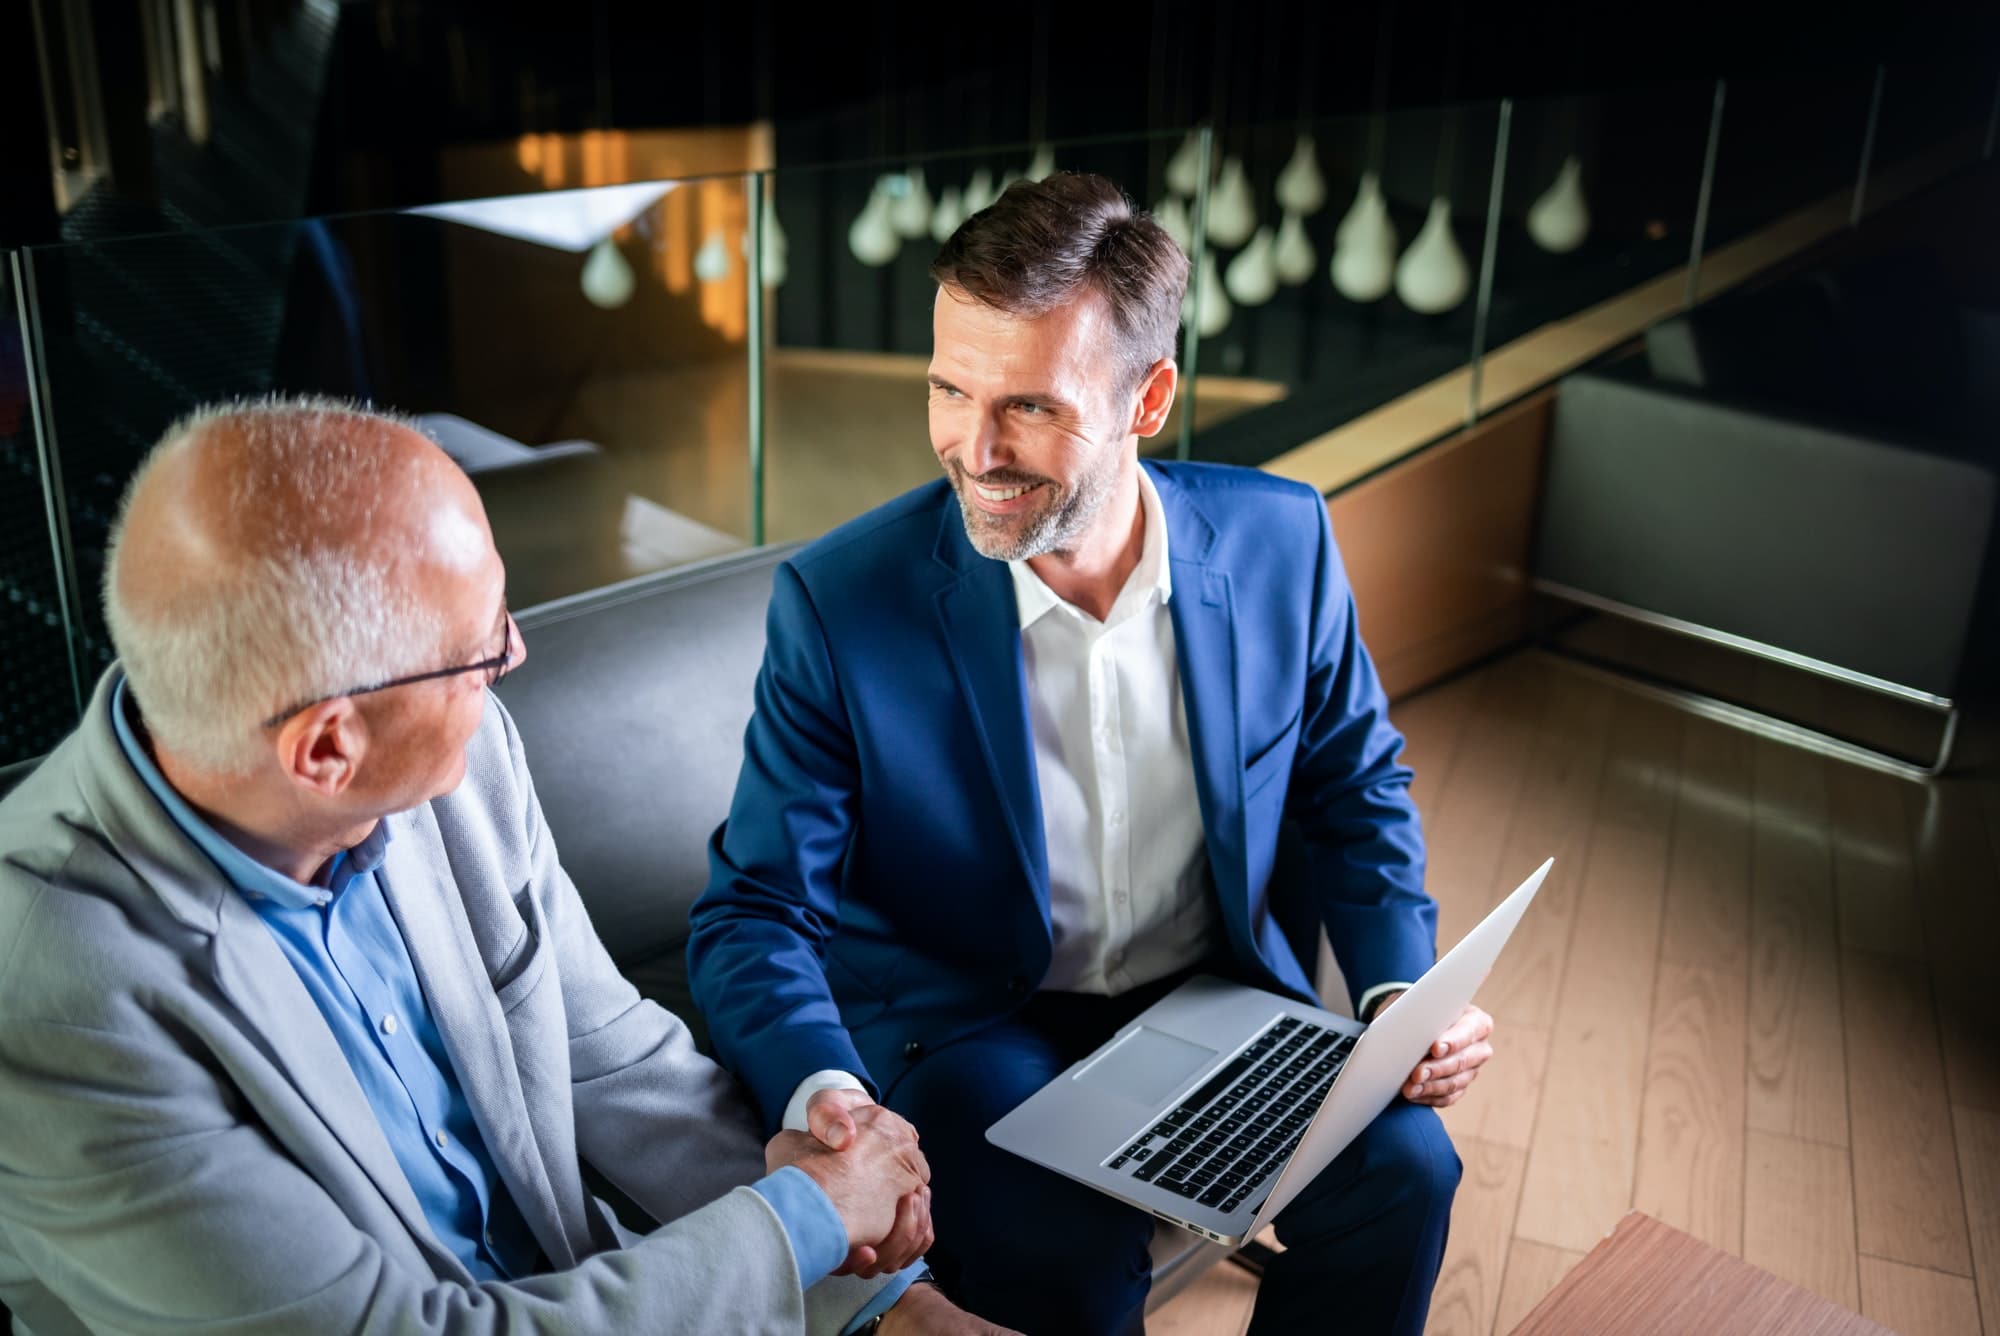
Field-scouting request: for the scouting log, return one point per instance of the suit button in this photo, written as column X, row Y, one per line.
column 1018, row 985
column 912, row 1051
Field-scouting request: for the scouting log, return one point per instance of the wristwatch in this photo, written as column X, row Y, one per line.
column 874, row 1324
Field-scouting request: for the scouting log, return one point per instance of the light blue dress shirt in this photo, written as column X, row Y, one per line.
column 349, row 953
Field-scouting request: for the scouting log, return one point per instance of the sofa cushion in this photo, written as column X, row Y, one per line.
column 632, row 704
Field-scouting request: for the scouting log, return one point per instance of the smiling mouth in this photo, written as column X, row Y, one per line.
column 1000, row 494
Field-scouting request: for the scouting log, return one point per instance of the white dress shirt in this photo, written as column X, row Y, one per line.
column 1130, row 897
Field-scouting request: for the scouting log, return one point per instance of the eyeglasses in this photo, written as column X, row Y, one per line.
column 496, row 668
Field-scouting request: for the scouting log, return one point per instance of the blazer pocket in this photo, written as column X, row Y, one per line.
column 528, row 961
column 1272, row 759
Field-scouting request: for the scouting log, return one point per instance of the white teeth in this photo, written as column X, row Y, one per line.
column 997, row 494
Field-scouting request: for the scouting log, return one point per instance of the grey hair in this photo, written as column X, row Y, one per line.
column 313, row 612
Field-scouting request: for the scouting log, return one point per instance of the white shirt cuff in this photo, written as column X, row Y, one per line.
column 1368, row 999
column 830, row 1079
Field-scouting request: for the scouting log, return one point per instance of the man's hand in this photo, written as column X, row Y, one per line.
column 876, row 1178
column 923, row 1308
column 1442, row 1075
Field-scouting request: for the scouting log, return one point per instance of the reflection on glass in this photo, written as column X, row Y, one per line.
column 1932, row 121
column 580, row 352
column 1355, row 283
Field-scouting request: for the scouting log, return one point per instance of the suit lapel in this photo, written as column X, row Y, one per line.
column 982, row 632
column 422, row 891
column 1204, row 615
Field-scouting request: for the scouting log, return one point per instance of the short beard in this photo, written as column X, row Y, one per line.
column 1056, row 528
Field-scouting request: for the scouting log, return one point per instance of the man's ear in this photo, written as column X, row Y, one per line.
column 321, row 747
column 1155, row 398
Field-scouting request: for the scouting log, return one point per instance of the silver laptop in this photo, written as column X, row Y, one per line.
column 1220, row 1102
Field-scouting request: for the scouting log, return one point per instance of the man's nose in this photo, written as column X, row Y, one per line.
column 985, row 450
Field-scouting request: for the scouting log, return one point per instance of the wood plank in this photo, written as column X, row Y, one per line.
column 1469, row 818
column 1958, row 888
column 1218, row 1302
column 1908, row 1206
column 1650, row 1280
column 1917, row 1301
column 1690, row 1162
column 1533, row 1269
column 1475, row 1257
column 1559, row 783
column 1797, row 1055
column 1581, row 1163
column 1798, row 1215
column 1978, row 1139
column 1873, row 880
column 1707, row 912
column 1431, row 722
column 1501, row 1105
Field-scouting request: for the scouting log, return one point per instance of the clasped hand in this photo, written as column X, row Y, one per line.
column 866, row 1160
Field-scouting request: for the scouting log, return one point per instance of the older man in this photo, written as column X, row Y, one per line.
column 1025, row 742
column 302, row 1026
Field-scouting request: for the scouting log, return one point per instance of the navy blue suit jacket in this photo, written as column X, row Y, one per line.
column 881, row 884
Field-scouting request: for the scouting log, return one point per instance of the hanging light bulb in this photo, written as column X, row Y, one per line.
column 1368, row 197
column 1293, row 255
column 1172, row 216
column 1252, row 277
column 979, row 192
column 775, row 265
column 1432, row 276
column 1044, row 163
column 1301, row 185
column 608, row 281
column 1184, row 167
column 910, row 215
column 1560, row 219
column 711, row 262
column 1364, row 258
column 1232, row 210
column 950, row 212
column 873, row 237
column 1206, row 305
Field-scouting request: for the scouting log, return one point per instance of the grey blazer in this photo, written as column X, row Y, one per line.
column 184, row 1149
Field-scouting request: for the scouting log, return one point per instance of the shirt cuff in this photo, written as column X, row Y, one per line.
column 886, row 1297
column 830, row 1079
column 1375, row 994
column 818, row 1236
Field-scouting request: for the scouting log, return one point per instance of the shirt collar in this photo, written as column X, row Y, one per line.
column 251, row 878
column 1033, row 597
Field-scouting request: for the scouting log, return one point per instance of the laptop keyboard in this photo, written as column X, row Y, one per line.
column 1221, row 1142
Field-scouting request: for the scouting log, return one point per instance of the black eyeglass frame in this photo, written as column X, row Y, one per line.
column 499, row 667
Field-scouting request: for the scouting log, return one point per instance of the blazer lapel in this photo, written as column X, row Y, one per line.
column 982, row 631
column 1204, row 615
column 422, row 891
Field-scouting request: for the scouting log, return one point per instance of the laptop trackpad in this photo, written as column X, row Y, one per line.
column 1146, row 1065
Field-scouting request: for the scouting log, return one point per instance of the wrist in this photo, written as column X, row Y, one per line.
column 907, row 1313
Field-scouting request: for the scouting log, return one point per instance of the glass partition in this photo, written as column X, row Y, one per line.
column 40, row 702
column 1932, row 120
column 1599, row 196
column 847, row 314
column 581, row 353
column 1346, row 258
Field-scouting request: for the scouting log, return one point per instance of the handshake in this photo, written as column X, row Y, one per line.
column 866, row 1160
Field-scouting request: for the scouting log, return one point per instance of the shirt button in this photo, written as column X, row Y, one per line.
column 389, row 1025
column 1114, row 960
column 489, row 1238
column 440, row 1139
column 912, row 1051
column 1117, row 820
column 1119, row 897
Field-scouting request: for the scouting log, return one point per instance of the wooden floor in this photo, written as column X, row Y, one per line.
column 1751, row 1001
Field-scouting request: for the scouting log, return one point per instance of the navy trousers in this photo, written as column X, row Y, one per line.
column 1025, row 1247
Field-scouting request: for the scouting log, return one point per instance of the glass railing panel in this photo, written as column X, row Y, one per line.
column 1598, row 201
column 847, row 315
column 1375, row 227
column 40, row 702
column 1932, row 121
column 1786, row 163
column 581, row 353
